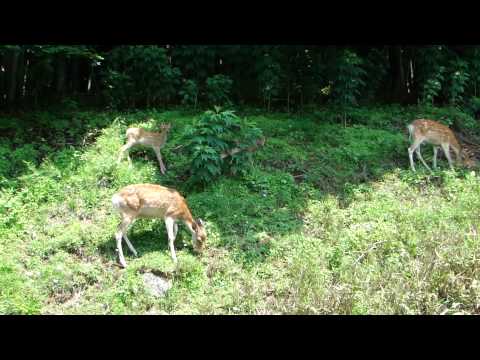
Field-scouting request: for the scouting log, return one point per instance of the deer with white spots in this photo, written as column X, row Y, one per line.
column 155, row 201
column 138, row 136
column 432, row 132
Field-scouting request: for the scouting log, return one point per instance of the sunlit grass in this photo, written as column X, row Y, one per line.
column 328, row 220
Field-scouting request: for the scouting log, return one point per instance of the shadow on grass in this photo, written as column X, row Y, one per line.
column 147, row 236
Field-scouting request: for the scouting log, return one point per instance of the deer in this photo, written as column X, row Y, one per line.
column 138, row 136
column 439, row 135
column 155, row 201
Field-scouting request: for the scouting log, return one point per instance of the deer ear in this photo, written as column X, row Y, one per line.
column 199, row 222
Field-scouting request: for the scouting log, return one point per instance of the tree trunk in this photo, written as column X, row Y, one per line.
column 3, row 81
column 21, row 75
column 288, row 99
column 61, row 72
column 75, row 75
column 399, row 89
column 12, row 76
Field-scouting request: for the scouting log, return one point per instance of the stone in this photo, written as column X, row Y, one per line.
column 156, row 285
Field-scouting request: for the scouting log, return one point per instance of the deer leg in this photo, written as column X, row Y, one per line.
column 169, row 224
column 125, row 149
column 446, row 150
column 122, row 229
column 160, row 161
column 435, row 153
column 419, row 154
column 411, row 149
column 175, row 230
column 129, row 244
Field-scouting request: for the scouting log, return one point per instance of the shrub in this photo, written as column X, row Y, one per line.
column 217, row 132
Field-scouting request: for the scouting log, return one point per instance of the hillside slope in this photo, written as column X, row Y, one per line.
column 329, row 220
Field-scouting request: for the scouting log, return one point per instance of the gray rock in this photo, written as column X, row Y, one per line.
column 156, row 285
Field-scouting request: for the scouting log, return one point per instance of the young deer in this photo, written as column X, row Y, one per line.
column 155, row 201
column 154, row 139
column 423, row 130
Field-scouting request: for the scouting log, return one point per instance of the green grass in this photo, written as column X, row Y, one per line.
column 329, row 220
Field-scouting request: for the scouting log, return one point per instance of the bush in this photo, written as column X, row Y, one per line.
column 215, row 133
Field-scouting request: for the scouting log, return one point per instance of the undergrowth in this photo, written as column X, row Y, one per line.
column 328, row 220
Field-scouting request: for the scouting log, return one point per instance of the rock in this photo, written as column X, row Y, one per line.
column 156, row 285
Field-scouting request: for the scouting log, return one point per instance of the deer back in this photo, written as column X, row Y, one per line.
column 435, row 133
column 144, row 137
column 150, row 200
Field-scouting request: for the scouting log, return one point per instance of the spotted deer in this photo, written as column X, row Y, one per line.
column 138, row 136
column 155, row 201
column 432, row 132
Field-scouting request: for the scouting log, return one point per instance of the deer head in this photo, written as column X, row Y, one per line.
column 200, row 236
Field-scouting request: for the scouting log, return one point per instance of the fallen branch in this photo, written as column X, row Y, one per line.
column 464, row 139
column 258, row 143
column 177, row 147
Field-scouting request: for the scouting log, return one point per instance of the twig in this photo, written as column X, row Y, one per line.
column 177, row 147
column 368, row 250
column 258, row 143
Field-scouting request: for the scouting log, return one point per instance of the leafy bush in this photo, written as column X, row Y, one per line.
column 433, row 86
column 431, row 72
column 218, row 89
column 214, row 133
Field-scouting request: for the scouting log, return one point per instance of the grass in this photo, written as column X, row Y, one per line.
column 329, row 220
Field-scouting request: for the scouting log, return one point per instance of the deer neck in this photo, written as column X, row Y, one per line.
column 187, row 219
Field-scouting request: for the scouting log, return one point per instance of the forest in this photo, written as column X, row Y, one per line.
column 283, row 78
column 295, row 157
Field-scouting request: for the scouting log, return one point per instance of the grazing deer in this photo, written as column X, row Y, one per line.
column 155, row 201
column 156, row 140
column 423, row 130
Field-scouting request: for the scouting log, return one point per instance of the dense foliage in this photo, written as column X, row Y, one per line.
column 278, row 77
